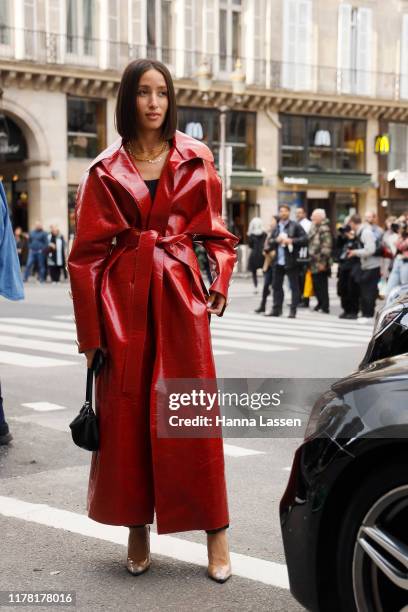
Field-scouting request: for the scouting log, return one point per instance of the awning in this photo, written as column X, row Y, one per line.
column 400, row 177
column 246, row 179
column 328, row 180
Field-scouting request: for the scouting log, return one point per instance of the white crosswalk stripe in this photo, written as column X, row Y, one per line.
column 239, row 451
column 252, row 568
column 289, row 331
column 318, row 321
column 27, row 340
column 31, row 361
column 263, row 337
column 39, row 345
column 55, row 334
column 40, row 336
column 38, row 323
column 279, row 333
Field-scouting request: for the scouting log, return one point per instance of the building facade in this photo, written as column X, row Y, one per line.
column 321, row 119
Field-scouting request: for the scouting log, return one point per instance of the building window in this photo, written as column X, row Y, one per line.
column 30, row 27
column 151, row 24
column 158, row 12
column 80, row 28
column 86, row 127
column 297, row 44
column 354, row 50
column 113, row 33
column 150, row 30
column 319, row 144
column 203, row 124
column 398, row 155
column 404, row 58
column 230, row 48
column 4, row 22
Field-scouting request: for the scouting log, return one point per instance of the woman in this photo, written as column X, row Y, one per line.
column 256, row 239
column 142, row 300
column 56, row 253
column 21, row 245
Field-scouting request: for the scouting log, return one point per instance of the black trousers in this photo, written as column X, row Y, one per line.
column 302, row 276
column 321, row 289
column 207, row 530
column 348, row 291
column 369, row 291
column 267, row 282
column 55, row 273
column 277, row 284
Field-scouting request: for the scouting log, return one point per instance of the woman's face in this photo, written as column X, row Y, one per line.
column 151, row 97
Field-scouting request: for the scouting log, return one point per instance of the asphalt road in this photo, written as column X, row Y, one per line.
column 48, row 542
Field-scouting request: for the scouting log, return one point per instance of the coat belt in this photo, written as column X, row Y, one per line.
column 144, row 244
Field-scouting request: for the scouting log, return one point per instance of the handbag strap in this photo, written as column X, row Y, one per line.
column 89, row 386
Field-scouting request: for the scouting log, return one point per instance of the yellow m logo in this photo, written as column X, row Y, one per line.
column 382, row 144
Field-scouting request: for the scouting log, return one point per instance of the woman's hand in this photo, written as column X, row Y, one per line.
column 215, row 303
column 90, row 356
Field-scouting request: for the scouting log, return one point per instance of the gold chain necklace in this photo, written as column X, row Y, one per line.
column 151, row 160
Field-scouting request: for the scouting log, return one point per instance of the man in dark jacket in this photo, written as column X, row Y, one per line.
column 320, row 251
column 287, row 239
column 37, row 249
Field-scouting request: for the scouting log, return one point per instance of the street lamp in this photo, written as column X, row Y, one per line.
column 223, row 159
column 204, row 77
column 237, row 78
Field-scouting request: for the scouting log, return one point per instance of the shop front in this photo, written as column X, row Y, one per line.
column 322, row 165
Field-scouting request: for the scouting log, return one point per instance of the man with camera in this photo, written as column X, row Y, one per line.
column 399, row 272
column 369, row 272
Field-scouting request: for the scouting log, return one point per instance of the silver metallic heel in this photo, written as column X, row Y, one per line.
column 137, row 567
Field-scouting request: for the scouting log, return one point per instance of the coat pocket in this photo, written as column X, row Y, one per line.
column 198, row 286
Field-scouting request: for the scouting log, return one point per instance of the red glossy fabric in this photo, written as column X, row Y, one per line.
column 144, row 301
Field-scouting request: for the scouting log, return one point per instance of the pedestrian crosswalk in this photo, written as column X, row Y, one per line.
column 41, row 343
column 245, row 331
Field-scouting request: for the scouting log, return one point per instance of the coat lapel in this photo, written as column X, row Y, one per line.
column 118, row 164
column 121, row 167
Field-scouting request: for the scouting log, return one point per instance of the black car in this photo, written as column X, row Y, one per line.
column 344, row 514
column 390, row 336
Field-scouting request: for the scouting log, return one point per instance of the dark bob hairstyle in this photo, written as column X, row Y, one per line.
column 126, row 121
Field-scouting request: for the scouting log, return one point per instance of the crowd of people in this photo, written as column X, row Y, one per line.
column 41, row 254
column 371, row 261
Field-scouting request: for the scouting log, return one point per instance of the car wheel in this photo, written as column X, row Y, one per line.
column 372, row 551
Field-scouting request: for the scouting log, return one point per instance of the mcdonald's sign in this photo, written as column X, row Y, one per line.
column 359, row 146
column 382, row 144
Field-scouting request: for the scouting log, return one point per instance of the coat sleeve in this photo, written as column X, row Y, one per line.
column 11, row 284
column 97, row 221
column 300, row 237
column 219, row 243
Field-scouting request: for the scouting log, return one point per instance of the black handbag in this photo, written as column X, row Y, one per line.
column 84, row 428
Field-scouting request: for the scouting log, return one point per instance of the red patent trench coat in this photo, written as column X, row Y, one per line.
column 143, row 299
